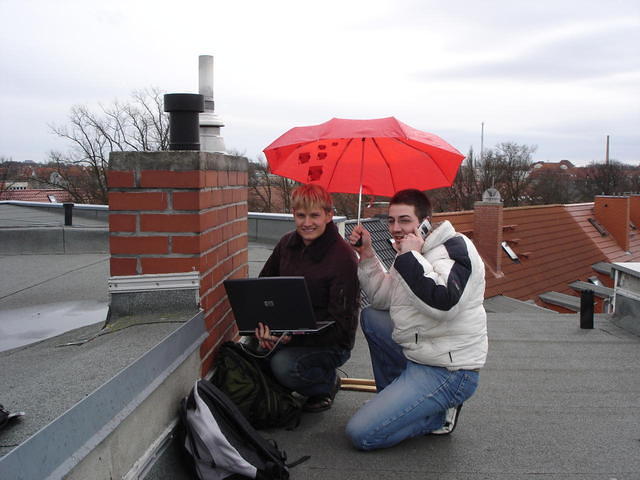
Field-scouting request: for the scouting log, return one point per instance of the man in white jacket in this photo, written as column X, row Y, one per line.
column 426, row 326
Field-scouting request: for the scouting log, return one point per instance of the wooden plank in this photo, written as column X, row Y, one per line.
column 359, row 388
column 358, row 384
column 357, row 381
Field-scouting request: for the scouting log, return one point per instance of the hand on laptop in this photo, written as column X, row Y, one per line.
column 268, row 341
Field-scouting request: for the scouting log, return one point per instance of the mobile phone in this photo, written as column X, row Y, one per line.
column 425, row 228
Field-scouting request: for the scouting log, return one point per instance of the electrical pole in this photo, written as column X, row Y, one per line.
column 481, row 140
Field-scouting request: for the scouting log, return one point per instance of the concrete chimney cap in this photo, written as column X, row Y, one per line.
column 491, row 195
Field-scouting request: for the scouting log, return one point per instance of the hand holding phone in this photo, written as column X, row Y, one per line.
column 425, row 228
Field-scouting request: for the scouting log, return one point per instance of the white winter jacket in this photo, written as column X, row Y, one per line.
column 435, row 300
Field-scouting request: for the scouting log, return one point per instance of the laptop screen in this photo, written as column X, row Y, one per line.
column 282, row 303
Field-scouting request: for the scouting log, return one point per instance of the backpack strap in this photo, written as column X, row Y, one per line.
column 302, row 459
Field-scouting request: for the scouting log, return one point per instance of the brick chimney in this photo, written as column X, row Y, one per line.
column 613, row 213
column 182, row 211
column 487, row 229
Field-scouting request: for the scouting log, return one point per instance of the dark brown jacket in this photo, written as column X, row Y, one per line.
column 330, row 268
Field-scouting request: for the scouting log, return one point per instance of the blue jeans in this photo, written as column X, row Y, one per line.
column 309, row 371
column 412, row 398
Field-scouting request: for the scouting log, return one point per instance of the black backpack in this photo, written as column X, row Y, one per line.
column 249, row 383
column 222, row 444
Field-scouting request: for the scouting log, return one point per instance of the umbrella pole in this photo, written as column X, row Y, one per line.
column 359, row 203
column 361, row 173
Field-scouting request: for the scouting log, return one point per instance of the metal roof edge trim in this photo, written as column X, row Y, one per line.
column 57, row 448
column 82, row 206
column 153, row 282
column 288, row 217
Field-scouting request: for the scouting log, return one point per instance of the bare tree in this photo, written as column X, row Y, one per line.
column 488, row 171
column 347, row 204
column 633, row 179
column 268, row 192
column 260, row 188
column 552, row 187
column 464, row 190
column 285, row 188
column 81, row 181
column 506, row 168
column 139, row 124
column 10, row 173
column 515, row 164
column 605, row 179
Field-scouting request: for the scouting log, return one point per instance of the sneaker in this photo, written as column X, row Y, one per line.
column 320, row 403
column 6, row 416
column 450, row 421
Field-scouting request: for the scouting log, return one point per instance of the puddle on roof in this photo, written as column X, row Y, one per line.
column 22, row 326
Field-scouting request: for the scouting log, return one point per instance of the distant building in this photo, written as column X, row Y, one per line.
column 563, row 167
column 14, row 186
column 47, row 195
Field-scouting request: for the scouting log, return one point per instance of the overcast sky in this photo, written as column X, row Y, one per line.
column 557, row 74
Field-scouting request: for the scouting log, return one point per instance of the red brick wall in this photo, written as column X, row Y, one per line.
column 173, row 212
column 613, row 213
column 634, row 209
column 487, row 233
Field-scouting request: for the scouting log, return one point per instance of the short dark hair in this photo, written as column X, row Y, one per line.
column 415, row 198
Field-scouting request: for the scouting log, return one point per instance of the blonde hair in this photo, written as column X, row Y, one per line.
column 308, row 197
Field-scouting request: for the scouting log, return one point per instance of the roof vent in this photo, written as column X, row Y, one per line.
column 491, row 195
column 184, row 129
column 601, row 230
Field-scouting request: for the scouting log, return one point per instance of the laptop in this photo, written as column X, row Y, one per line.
column 282, row 303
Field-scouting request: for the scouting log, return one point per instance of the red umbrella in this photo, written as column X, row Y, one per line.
column 375, row 157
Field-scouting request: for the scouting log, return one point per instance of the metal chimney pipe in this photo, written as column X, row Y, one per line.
column 68, row 213
column 210, row 123
column 205, row 81
column 183, row 109
column 586, row 309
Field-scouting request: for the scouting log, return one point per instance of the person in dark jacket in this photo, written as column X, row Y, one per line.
column 315, row 250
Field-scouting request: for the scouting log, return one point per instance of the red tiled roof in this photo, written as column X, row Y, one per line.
column 36, row 195
column 556, row 245
column 606, row 244
column 563, row 166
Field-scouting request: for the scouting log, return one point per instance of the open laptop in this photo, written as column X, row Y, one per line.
column 282, row 303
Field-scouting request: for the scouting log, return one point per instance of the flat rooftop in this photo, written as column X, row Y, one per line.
column 554, row 401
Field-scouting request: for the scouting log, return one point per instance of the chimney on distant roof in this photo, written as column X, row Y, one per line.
column 614, row 214
column 210, row 123
column 487, row 229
